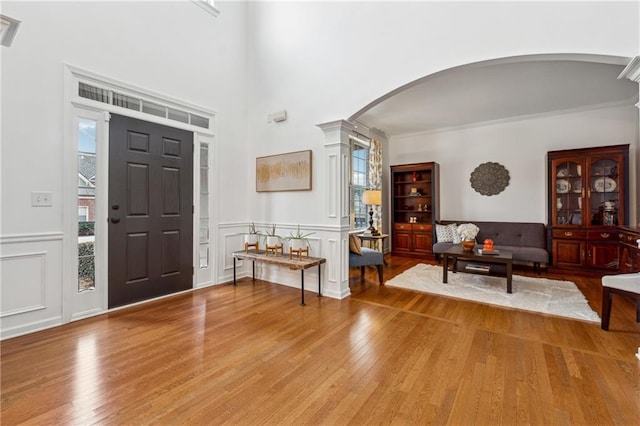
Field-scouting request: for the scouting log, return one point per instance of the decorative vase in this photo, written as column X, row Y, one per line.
column 273, row 241
column 297, row 244
column 468, row 245
column 251, row 238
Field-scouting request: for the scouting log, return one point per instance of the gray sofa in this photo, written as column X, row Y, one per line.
column 527, row 241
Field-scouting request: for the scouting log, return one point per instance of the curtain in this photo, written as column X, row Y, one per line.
column 375, row 178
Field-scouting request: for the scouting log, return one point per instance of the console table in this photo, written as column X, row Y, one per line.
column 282, row 260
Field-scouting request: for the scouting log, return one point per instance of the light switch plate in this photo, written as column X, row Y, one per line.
column 41, row 199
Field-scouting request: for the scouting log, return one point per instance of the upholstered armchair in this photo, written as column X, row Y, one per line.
column 363, row 256
column 624, row 284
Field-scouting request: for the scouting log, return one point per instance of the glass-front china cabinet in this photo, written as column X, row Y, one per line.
column 587, row 200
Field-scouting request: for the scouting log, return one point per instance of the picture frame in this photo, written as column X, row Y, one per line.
column 291, row 171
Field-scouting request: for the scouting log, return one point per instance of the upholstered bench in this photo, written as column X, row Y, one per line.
column 364, row 256
column 625, row 285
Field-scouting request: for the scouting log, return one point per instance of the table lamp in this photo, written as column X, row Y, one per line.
column 372, row 197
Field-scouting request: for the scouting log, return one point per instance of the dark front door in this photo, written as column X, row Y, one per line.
column 150, row 210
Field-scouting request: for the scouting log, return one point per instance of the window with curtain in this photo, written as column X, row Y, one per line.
column 358, row 183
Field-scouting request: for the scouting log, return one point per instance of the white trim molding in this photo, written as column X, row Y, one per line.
column 31, row 238
column 29, row 301
column 8, row 29
column 208, row 6
column 632, row 70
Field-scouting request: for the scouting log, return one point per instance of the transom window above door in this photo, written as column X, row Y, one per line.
column 136, row 103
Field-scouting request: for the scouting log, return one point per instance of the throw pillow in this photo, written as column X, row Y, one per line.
column 456, row 237
column 446, row 233
column 354, row 245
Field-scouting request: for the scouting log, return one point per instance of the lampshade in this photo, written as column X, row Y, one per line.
column 372, row 197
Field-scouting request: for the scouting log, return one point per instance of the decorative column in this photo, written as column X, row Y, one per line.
column 337, row 159
column 632, row 72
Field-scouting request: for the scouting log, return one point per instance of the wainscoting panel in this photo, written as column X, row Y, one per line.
column 332, row 166
column 325, row 242
column 232, row 242
column 31, row 268
column 334, row 259
column 26, row 271
column 343, row 260
column 344, row 186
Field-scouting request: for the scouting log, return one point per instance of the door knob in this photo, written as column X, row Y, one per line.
column 115, row 220
column 115, row 206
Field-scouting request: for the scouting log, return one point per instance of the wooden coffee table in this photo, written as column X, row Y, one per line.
column 456, row 253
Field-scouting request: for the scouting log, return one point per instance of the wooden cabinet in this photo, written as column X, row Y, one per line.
column 588, row 191
column 629, row 250
column 415, row 206
column 423, row 238
column 414, row 240
column 402, row 238
column 569, row 249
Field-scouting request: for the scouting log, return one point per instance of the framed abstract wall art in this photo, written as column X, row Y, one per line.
column 284, row 172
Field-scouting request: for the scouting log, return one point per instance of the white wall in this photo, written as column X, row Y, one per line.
column 520, row 146
column 323, row 61
column 172, row 48
column 176, row 49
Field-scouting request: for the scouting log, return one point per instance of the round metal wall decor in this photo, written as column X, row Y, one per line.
column 489, row 178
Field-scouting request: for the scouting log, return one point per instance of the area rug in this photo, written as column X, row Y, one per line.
column 560, row 298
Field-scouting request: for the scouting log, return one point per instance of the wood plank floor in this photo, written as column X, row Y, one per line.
column 252, row 355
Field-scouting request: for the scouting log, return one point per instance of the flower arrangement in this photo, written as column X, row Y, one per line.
column 468, row 231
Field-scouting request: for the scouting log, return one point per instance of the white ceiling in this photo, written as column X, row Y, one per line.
column 480, row 93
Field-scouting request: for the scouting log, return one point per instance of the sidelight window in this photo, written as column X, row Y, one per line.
column 204, row 241
column 86, row 203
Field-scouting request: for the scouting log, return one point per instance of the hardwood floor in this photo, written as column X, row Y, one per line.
column 252, row 355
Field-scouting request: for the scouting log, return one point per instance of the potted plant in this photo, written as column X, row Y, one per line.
column 273, row 239
column 298, row 240
column 253, row 237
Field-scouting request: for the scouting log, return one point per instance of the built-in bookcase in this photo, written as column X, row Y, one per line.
column 415, row 205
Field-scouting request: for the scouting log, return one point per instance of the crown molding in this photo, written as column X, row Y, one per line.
column 207, row 6
column 338, row 124
column 604, row 105
column 632, row 70
column 8, row 29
